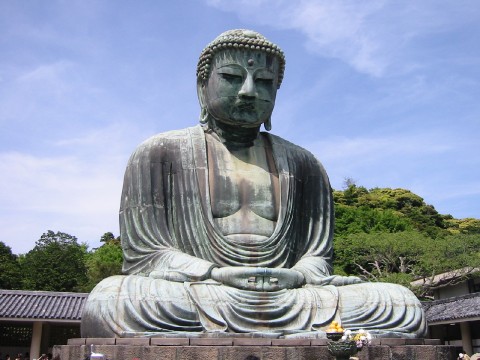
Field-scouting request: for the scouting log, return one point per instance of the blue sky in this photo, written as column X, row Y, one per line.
column 384, row 92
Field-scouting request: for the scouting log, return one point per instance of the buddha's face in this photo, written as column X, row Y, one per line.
column 242, row 87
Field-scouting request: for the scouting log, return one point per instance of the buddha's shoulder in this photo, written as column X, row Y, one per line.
column 172, row 136
column 297, row 156
column 173, row 139
column 290, row 148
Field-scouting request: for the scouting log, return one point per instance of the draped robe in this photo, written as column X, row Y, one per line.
column 170, row 245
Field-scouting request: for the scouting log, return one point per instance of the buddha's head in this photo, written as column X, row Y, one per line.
column 238, row 75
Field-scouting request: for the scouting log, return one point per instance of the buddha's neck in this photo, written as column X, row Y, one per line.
column 234, row 136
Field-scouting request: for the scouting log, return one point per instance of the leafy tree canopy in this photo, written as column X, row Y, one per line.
column 463, row 226
column 375, row 256
column 104, row 261
column 56, row 263
column 351, row 219
column 405, row 207
column 392, row 235
column 108, row 237
column 10, row 274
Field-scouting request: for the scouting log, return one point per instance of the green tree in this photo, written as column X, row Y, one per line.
column 351, row 194
column 463, row 226
column 109, row 237
column 409, row 210
column 104, row 261
column 376, row 256
column 406, row 256
column 458, row 255
column 10, row 274
column 56, row 263
column 351, row 219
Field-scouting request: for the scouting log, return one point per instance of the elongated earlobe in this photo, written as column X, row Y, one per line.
column 203, row 105
column 203, row 116
column 268, row 124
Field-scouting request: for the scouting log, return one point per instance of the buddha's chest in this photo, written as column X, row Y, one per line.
column 242, row 180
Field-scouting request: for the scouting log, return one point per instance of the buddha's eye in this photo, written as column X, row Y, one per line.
column 264, row 81
column 231, row 78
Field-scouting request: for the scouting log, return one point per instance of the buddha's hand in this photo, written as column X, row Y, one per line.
column 337, row 280
column 258, row 278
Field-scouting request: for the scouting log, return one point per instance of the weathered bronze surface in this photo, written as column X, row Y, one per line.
column 228, row 229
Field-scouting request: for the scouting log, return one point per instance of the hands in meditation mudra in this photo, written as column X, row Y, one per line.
column 228, row 229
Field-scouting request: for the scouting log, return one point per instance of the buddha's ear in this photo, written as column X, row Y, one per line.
column 201, row 93
column 201, row 90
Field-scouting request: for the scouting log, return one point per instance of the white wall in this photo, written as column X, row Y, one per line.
column 451, row 291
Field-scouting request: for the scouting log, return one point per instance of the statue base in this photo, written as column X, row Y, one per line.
column 245, row 348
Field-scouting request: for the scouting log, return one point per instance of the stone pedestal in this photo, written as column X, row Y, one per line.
column 247, row 349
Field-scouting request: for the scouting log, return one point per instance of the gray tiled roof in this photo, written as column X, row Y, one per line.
column 455, row 308
column 19, row 304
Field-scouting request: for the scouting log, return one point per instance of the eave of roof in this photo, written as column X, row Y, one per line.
column 447, row 276
column 465, row 308
column 45, row 305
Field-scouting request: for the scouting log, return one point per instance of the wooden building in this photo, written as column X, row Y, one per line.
column 454, row 315
column 33, row 321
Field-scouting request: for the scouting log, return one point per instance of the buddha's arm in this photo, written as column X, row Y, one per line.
column 176, row 266
column 158, row 223
column 317, row 271
column 147, row 255
column 315, row 264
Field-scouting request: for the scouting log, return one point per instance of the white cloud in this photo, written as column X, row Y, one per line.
column 372, row 36
column 337, row 29
column 46, row 72
column 61, row 193
column 58, row 184
column 430, row 164
column 47, row 92
column 377, row 148
column 333, row 28
column 393, row 161
column 77, row 190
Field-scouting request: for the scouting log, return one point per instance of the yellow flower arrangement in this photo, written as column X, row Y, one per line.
column 334, row 327
column 335, row 332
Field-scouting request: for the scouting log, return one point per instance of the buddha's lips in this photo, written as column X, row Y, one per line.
column 245, row 106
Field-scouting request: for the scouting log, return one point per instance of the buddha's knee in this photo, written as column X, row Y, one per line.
column 372, row 292
column 100, row 307
column 110, row 285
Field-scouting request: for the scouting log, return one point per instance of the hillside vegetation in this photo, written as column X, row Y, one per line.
column 392, row 235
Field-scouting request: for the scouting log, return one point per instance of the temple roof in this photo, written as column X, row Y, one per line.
column 48, row 305
column 466, row 307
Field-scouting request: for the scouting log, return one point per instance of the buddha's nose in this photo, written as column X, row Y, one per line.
column 248, row 89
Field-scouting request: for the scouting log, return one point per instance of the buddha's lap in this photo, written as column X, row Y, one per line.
column 356, row 298
column 122, row 304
